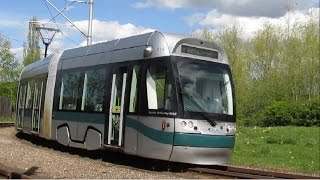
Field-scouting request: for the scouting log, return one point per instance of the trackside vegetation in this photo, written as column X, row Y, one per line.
column 277, row 83
column 7, row 119
column 292, row 149
column 276, row 72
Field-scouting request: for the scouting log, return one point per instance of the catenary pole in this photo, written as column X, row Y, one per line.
column 89, row 36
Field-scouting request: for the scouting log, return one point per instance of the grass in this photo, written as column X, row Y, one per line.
column 294, row 149
column 7, row 119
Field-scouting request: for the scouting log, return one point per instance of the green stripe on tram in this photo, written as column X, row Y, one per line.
column 177, row 139
column 153, row 134
column 201, row 140
column 182, row 139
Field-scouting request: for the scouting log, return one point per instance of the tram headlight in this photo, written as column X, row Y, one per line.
column 231, row 128
column 190, row 124
column 183, row 123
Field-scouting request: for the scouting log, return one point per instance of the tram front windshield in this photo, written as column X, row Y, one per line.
column 205, row 86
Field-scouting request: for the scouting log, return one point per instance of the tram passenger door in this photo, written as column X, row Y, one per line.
column 116, row 108
column 157, row 110
column 21, row 103
column 37, row 103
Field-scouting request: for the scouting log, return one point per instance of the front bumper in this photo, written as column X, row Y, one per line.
column 200, row 155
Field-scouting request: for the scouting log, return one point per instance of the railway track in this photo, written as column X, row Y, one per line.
column 247, row 173
column 145, row 164
column 10, row 173
column 6, row 124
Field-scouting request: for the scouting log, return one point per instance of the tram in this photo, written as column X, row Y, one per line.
column 155, row 95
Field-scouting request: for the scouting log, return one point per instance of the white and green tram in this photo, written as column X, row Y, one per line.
column 155, row 95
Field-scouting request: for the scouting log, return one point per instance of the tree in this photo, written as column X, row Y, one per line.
column 9, row 70
column 230, row 39
column 277, row 66
column 31, row 49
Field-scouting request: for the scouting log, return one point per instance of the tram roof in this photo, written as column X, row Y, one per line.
column 164, row 44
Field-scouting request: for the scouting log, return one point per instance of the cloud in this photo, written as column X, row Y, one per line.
column 18, row 53
column 171, row 4
column 246, row 8
column 70, row 37
column 251, row 25
column 195, row 18
column 109, row 30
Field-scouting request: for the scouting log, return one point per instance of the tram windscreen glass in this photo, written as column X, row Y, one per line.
column 199, row 52
column 205, row 86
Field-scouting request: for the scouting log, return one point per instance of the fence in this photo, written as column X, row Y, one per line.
column 5, row 107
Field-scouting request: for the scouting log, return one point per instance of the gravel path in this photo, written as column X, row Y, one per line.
column 46, row 162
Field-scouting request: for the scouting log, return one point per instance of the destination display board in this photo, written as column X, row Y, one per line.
column 199, row 51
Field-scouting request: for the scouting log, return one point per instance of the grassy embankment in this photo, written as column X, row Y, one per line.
column 3, row 119
column 294, row 149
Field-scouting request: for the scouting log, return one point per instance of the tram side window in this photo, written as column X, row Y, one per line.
column 93, row 90
column 37, row 93
column 134, row 88
column 22, row 96
column 29, row 99
column 159, row 90
column 69, row 92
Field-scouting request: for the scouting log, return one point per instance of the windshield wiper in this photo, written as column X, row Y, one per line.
column 190, row 97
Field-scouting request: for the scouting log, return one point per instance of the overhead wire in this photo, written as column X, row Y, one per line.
column 53, row 19
column 50, row 20
column 65, row 8
column 11, row 38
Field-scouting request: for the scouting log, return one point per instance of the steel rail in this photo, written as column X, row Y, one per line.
column 272, row 173
column 6, row 124
column 11, row 174
column 248, row 173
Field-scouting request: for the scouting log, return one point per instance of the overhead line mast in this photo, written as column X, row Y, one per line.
column 89, row 34
column 89, row 37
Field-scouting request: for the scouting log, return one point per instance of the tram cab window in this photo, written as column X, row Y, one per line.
column 159, row 88
column 69, row 91
column 93, row 90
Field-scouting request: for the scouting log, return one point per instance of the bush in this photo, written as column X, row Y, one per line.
column 285, row 113
column 277, row 114
column 308, row 114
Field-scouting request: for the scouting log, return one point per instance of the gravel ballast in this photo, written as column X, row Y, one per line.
column 50, row 163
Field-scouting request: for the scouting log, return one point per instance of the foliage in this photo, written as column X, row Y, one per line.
column 278, row 113
column 31, row 49
column 9, row 70
column 283, row 113
column 276, row 68
column 294, row 149
column 10, row 119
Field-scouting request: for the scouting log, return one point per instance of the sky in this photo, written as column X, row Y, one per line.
column 114, row 19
